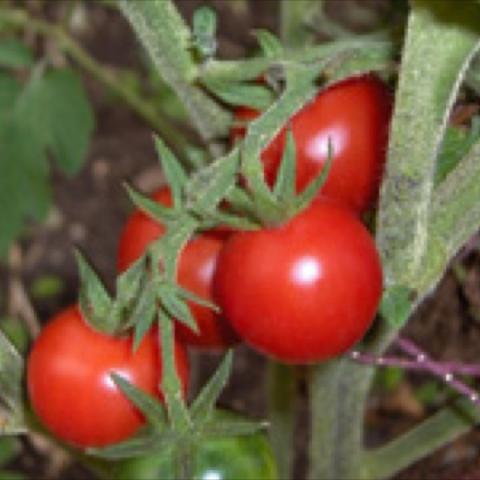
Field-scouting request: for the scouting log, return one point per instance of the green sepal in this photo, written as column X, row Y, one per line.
column 232, row 428
column 130, row 283
column 258, row 97
column 147, row 404
column 396, row 305
column 143, row 314
column 95, row 302
column 284, row 188
column 178, row 413
column 153, row 209
column 204, row 31
column 185, row 294
column 207, row 187
column 270, row 44
column 203, row 407
column 176, row 307
column 173, row 170
column 304, row 198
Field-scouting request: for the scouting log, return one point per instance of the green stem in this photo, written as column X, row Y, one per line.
column 338, row 393
column 142, row 107
column 166, row 38
column 281, row 389
column 433, row 433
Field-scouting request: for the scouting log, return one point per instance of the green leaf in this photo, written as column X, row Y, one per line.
column 270, row 44
column 10, row 475
column 150, row 406
column 173, row 170
column 9, row 448
column 396, row 305
column 456, row 144
column 284, row 188
column 204, row 404
column 9, row 91
column 242, row 94
column 15, row 54
column 143, row 314
column 153, row 209
column 58, row 110
column 204, row 30
column 16, row 331
column 46, row 286
column 94, row 300
column 11, row 395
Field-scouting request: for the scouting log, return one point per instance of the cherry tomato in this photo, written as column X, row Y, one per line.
column 354, row 114
column 69, row 384
column 195, row 271
column 247, row 457
column 305, row 291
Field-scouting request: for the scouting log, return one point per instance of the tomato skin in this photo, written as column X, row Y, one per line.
column 305, row 291
column 246, row 457
column 69, row 384
column 196, row 266
column 355, row 115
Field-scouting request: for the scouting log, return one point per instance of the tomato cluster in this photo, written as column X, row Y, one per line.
column 302, row 291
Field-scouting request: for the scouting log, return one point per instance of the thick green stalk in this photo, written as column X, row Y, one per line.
column 433, row 433
column 281, row 396
column 167, row 39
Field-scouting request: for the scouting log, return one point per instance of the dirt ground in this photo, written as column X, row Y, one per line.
column 91, row 208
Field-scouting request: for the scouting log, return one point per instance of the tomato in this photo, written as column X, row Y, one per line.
column 246, row 457
column 195, row 271
column 69, row 384
column 354, row 114
column 305, row 291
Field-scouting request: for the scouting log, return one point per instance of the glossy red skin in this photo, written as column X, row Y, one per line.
column 195, row 271
column 69, row 385
column 303, row 292
column 355, row 115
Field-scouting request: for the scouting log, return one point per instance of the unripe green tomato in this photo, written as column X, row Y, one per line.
column 246, row 457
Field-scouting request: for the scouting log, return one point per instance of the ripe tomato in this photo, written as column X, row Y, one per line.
column 246, row 457
column 69, row 384
column 305, row 291
column 354, row 114
column 195, row 271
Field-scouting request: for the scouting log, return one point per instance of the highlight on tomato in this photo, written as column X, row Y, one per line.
column 70, row 386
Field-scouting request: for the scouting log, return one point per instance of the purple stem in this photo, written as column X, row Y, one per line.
column 422, row 362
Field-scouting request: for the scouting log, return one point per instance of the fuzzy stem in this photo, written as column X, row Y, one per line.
column 281, row 389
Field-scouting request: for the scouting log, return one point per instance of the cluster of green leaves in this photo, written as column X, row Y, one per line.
column 43, row 112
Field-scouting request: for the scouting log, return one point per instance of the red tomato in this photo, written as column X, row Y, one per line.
column 195, row 271
column 69, row 384
column 305, row 291
column 354, row 114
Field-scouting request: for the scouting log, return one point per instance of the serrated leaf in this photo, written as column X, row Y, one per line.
column 396, row 305
column 173, row 170
column 58, row 110
column 11, row 377
column 94, row 300
column 270, row 44
column 143, row 314
column 171, row 386
column 258, row 97
column 232, row 428
column 312, row 189
column 176, row 307
column 284, row 188
column 153, row 209
column 204, row 404
column 207, row 187
column 148, row 405
column 15, row 54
